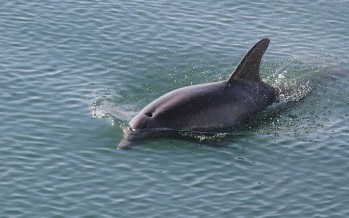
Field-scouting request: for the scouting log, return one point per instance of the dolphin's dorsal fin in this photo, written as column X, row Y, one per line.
column 248, row 69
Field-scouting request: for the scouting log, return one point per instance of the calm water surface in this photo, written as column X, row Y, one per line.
column 72, row 73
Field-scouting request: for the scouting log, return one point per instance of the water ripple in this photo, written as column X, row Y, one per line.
column 62, row 61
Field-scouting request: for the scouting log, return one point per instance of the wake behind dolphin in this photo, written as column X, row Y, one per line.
column 208, row 107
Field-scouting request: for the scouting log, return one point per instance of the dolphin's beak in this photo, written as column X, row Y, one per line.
column 125, row 144
column 128, row 140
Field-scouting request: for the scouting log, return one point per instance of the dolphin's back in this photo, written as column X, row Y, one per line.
column 205, row 107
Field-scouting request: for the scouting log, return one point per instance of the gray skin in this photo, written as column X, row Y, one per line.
column 208, row 107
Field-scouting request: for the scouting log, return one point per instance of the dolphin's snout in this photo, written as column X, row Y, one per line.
column 125, row 145
column 130, row 138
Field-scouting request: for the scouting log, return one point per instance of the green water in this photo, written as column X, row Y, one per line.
column 72, row 73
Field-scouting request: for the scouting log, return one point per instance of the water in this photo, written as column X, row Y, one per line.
column 73, row 72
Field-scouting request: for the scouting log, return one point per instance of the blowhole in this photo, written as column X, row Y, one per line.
column 149, row 114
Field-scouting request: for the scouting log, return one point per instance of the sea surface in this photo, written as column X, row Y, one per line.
column 74, row 73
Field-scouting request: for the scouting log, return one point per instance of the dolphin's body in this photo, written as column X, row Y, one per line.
column 207, row 107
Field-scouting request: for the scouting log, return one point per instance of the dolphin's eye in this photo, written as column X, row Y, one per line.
column 149, row 114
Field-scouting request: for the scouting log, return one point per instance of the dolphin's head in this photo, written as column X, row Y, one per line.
column 158, row 115
column 147, row 124
column 142, row 121
column 142, row 126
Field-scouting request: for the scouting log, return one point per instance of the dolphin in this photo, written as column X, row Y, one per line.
column 208, row 107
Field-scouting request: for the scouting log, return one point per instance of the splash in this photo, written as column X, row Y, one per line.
column 205, row 137
column 104, row 110
column 290, row 89
column 99, row 109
